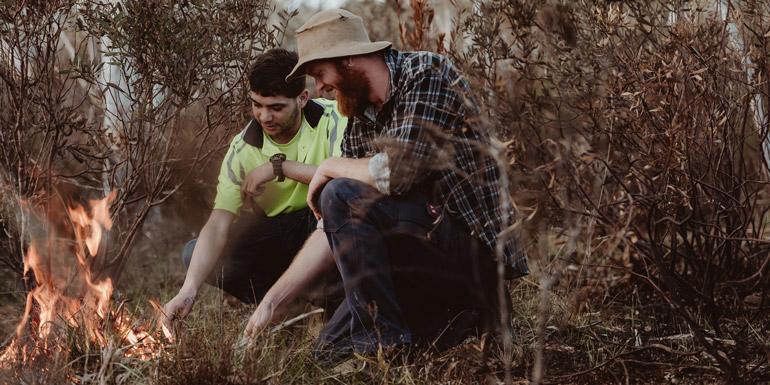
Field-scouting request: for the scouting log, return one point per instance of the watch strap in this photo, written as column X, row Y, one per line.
column 277, row 162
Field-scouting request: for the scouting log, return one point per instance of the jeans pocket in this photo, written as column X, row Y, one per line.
column 418, row 219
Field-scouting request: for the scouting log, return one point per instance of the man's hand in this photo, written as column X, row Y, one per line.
column 331, row 168
column 178, row 308
column 254, row 183
column 258, row 321
column 320, row 179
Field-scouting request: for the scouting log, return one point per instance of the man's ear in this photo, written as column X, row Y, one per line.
column 303, row 97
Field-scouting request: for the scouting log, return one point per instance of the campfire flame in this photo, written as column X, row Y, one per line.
column 67, row 292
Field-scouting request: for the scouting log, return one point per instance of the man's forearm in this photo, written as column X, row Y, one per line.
column 312, row 261
column 357, row 169
column 208, row 249
column 298, row 171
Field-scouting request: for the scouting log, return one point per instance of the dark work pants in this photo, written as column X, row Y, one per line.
column 257, row 252
column 407, row 271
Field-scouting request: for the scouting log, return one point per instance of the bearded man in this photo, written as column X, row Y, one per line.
column 413, row 210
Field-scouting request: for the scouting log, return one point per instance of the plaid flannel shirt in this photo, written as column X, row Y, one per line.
column 425, row 129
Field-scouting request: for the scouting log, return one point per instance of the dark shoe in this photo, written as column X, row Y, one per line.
column 459, row 328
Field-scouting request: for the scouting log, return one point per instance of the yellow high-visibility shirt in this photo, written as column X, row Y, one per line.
column 318, row 138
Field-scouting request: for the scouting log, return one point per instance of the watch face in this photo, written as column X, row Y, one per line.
column 278, row 157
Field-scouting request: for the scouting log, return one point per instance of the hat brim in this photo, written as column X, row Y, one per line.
column 349, row 50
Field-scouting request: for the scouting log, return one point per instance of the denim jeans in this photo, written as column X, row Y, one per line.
column 407, row 270
column 257, row 252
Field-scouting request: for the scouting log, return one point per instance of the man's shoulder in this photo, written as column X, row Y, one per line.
column 416, row 61
column 411, row 56
column 320, row 107
column 327, row 105
column 413, row 67
column 250, row 136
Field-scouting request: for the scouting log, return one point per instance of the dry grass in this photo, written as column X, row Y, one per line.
column 595, row 345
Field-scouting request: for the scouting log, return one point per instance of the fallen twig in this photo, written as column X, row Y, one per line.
column 637, row 350
column 294, row 320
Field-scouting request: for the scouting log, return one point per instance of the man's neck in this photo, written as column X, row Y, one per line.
column 378, row 75
column 288, row 136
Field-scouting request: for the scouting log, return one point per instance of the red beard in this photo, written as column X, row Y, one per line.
column 352, row 90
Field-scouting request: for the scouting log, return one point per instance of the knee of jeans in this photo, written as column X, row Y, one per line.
column 188, row 252
column 334, row 202
column 336, row 194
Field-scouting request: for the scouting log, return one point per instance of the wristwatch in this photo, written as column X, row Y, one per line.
column 277, row 161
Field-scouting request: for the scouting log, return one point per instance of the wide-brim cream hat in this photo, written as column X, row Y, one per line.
column 330, row 34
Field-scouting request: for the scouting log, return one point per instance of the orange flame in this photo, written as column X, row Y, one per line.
column 66, row 292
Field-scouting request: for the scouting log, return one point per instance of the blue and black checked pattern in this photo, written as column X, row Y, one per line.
column 425, row 127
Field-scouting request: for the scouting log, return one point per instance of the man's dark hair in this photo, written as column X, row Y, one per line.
column 267, row 76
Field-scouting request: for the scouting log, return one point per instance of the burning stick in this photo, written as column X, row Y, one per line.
column 159, row 309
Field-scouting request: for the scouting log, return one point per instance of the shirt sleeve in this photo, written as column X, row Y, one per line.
column 229, row 184
column 418, row 141
column 380, row 172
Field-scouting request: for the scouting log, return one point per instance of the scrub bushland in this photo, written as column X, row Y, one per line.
column 636, row 136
